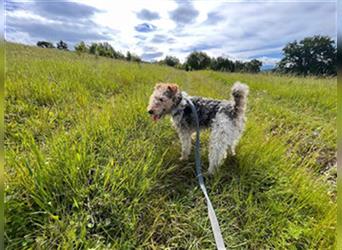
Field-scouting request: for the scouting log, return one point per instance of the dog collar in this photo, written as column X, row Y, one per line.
column 181, row 104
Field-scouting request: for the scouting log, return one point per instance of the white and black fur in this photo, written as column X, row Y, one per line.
column 225, row 118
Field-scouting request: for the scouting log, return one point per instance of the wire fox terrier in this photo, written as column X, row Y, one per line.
column 226, row 118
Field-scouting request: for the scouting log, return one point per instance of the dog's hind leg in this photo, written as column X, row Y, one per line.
column 231, row 149
column 221, row 139
column 185, row 138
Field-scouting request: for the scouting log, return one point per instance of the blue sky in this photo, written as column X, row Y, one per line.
column 241, row 30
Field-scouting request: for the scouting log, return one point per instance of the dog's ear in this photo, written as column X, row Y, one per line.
column 173, row 88
column 158, row 86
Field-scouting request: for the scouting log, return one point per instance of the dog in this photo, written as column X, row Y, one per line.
column 225, row 118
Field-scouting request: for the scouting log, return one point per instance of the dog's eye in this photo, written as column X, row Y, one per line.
column 161, row 99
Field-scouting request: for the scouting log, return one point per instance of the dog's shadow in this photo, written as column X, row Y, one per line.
column 179, row 177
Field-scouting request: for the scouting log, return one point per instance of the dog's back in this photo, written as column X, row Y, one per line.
column 207, row 108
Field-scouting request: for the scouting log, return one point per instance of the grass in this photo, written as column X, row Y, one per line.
column 87, row 168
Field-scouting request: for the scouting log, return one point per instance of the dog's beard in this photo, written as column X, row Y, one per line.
column 155, row 117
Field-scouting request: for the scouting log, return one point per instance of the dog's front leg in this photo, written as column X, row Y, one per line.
column 185, row 138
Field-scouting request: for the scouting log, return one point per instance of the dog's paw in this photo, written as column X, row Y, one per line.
column 212, row 170
column 183, row 158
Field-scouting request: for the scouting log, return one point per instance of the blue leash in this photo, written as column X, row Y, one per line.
column 211, row 212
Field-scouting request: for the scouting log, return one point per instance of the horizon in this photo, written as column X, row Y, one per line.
column 153, row 30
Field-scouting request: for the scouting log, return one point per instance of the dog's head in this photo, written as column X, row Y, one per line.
column 162, row 100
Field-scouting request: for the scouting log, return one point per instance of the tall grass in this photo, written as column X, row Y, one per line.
column 86, row 168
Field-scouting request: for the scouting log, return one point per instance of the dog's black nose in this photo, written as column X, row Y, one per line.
column 150, row 111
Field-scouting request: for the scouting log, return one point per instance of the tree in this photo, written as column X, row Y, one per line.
column 239, row 66
column 311, row 56
column 128, row 56
column 81, row 47
column 105, row 49
column 62, row 45
column 197, row 60
column 45, row 44
column 132, row 57
column 93, row 48
column 253, row 66
column 222, row 64
column 171, row 61
column 135, row 58
column 118, row 55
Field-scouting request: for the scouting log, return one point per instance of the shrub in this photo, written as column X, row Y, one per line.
column 45, row 44
column 197, row 60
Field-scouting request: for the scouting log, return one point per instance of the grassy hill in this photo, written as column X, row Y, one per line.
column 87, row 168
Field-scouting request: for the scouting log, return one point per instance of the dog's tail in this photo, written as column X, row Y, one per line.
column 239, row 94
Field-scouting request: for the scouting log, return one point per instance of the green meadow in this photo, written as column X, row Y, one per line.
column 86, row 167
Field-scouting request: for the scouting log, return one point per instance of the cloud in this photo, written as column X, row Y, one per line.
column 64, row 10
column 256, row 30
column 55, row 10
column 214, row 18
column 242, row 30
column 339, row 21
column 12, row 6
column 53, row 21
column 140, row 37
column 201, row 47
column 162, row 39
column 54, row 31
column 149, row 49
column 148, row 15
column 151, row 56
column 145, row 27
column 184, row 14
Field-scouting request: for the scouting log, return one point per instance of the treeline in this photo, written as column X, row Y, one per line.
column 312, row 56
column 106, row 50
column 315, row 56
column 198, row 60
column 60, row 45
column 98, row 49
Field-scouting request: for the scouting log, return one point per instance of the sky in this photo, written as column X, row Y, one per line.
column 240, row 30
